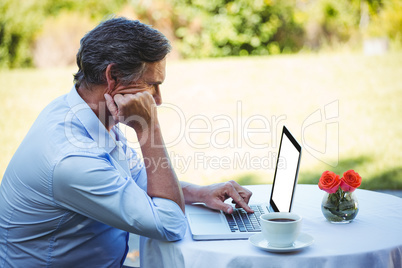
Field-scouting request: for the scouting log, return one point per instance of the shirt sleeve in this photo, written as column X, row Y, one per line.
column 136, row 165
column 90, row 185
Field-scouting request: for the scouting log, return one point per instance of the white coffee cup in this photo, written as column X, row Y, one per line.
column 280, row 229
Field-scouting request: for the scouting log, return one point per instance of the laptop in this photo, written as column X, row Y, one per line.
column 209, row 224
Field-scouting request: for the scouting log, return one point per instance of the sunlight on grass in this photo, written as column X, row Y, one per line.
column 222, row 118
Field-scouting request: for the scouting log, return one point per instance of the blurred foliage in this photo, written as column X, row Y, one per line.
column 388, row 21
column 236, row 27
column 21, row 20
column 207, row 28
column 331, row 21
column 95, row 8
column 58, row 41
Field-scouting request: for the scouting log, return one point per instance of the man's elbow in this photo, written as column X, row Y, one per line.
column 172, row 222
column 176, row 233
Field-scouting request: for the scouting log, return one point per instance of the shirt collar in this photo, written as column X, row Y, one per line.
column 91, row 123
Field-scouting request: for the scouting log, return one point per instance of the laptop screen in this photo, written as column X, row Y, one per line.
column 286, row 173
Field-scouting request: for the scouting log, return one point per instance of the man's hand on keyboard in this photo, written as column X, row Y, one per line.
column 216, row 194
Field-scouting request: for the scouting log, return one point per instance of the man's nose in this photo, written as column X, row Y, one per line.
column 158, row 99
column 157, row 96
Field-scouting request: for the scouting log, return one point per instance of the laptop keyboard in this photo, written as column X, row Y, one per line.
column 242, row 221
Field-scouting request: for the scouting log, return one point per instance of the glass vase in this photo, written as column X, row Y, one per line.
column 340, row 207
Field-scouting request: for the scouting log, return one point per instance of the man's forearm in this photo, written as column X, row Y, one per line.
column 162, row 180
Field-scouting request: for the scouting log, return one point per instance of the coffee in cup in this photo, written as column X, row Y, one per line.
column 280, row 229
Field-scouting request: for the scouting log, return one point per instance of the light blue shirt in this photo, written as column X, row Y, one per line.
column 73, row 190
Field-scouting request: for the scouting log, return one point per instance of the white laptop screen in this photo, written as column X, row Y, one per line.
column 286, row 173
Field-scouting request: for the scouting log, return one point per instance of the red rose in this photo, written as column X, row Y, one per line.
column 350, row 181
column 329, row 182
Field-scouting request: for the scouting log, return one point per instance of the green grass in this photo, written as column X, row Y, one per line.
column 221, row 96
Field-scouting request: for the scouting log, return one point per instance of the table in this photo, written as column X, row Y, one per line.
column 373, row 239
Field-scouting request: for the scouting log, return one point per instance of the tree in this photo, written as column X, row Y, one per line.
column 217, row 28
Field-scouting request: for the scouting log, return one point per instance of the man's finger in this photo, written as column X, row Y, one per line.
column 119, row 99
column 222, row 206
column 112, row 107
column 243, row 192
column 238, row 199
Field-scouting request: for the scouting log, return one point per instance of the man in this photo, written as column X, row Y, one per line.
column 74, row 189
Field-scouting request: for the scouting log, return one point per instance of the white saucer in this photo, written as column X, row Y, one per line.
column 304, row 240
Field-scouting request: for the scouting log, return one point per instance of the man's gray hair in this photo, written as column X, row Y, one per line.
column 126, row 44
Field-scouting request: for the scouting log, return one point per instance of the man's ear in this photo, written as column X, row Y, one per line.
column 110, row 79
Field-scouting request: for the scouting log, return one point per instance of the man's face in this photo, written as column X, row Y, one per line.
column 150, row 81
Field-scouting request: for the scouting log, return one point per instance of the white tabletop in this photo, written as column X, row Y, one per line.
column 373, row 239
